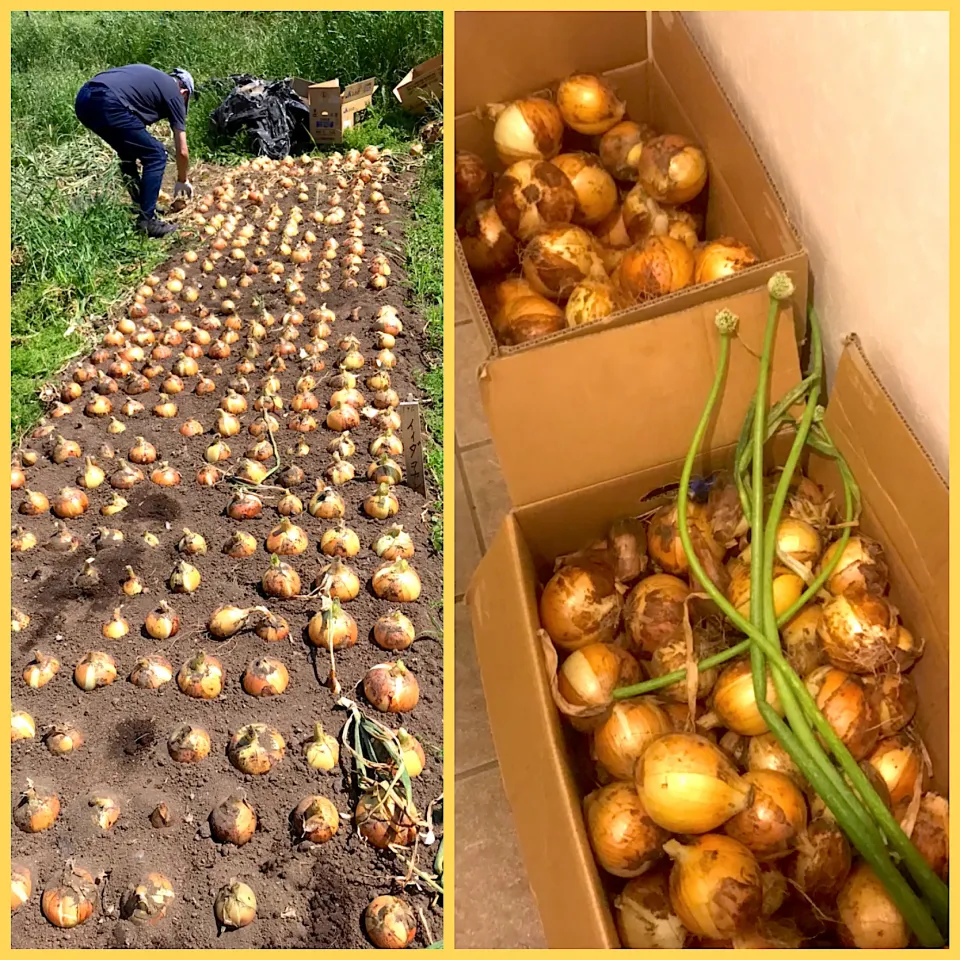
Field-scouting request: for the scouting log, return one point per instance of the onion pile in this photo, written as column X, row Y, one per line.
column 592, row 231
column 685, row 764
column 228, row 389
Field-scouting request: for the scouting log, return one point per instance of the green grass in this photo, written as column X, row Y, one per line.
column 424, row 243
column 74, row 251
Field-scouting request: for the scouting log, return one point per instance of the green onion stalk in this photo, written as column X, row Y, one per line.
column 853, row 801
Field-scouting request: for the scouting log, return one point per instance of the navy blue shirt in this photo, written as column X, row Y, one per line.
column 149, row 93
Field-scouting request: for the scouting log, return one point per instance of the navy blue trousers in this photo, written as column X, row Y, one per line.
column 99, row 110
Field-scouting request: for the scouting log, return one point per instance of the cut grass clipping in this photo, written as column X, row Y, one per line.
column 74, row 250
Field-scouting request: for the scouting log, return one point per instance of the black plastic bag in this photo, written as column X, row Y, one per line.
column 277, row 121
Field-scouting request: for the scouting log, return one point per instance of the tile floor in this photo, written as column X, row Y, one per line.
column 494, row 906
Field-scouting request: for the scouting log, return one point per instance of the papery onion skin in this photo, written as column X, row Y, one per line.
column 899, row 762
column 622, row 146
column 721, row 258
column 847, row 706
column 527, row 318
column 390, row 923
column 657, row 267
column 715, row 886
column 931, row 833
column 734, row 703
column 688, row 785
column 581, row 604
column 896, row 700
column 630, row 727
column 528, row 129
column 591, row 673
column 672, row 168
column 869, row 919
column 859, row 634
column 663, row 538
column 645, row 917
column 531, row 194
column 487, row 244
column 801, row 643
column 643, row 217
column 770, row 826
column 593, row 187
column 589, row 104
column 862, row 568
column 472, row 180
column 592, row 300
column 625, row 841
column 653, row 615
column 787, row 587
column 674, row 656
column 558, row 257
column 764, row 752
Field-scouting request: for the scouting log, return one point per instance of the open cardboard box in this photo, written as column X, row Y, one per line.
column 333, row 110
column 658, row 69
column 422, row 86
column 631, row 443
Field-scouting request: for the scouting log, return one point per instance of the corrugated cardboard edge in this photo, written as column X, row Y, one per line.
column 572, row 433
column 423, row 82
column 529, row 741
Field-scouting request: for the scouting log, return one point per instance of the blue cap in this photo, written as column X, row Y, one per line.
column 184, row 77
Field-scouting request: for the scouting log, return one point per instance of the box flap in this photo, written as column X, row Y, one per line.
column 301, row 87
column 529, row 740
column 421, row 85
column 559, row 425
column 535, row 51
column 358, row 91
column 907, row 508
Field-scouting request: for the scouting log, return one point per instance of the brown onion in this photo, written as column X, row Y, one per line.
column 765, row 753
column 626, row 732
column 896, row 700
column 777, row 816
column 899, row 761
column 655, row 268
column 487, row 243
column 592, row 300
column 622, row 146
column 643, row 217
column 472, row 180
column 580, row 605
column 859, row 633
column 526, row 318
column 527, row 129
column 653, row 615
column 391, row 687
column 848, row 707
column 672, row 168
column 558, row 257
column 532, row 193
column 931, row 833
column 645, row 917
column 801, row 644
column 862, row 568
column 625, row 841
column 589, row 104
column 869, row 919
column 734, row 703
column 721, row 258
column 591, row 673
column 593, row 187
column 715, row 886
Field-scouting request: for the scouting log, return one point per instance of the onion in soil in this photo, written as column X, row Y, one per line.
column 390, row 923
column 235, row 905
column 316, row 819
column 147, row 901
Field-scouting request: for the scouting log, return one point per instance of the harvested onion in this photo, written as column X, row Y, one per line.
column 653, row 616
column 591, row 673
column 688, row 785
column 625, row 841
column 593, row 187
column 659, row 266
column 733, row 701
column 589, row 104
column 869, row 919
column 592, row 300
column 559, row 257
column 580, row 605
column 848, row 707
column 721, row 258
column 622, row 146
column 527, row 129
column 776, row 817
column 487, row 243
column 859, row 633
column 645, row 917
column 672, row 168
column 629, row 728
column 532, row 193
column 472, row 180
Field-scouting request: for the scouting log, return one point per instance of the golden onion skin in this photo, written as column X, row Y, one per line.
column 862, row 568
column 531, row 194
column 653, row 615
column 645, row 917
column 770, row 827
column 528, row 129
column 931, row 833
column 848, row 706
column 672, row 168
column 822, row 861
column 589, row 104
column 524, row 319
column 625, row 841
column 581, row 604
column 734, row 703
column 869, row 919
column 588, row 677
column 487, row 244
column 722, row 258
column 592, row 300
column 593, row 187
column 559, row 257
column 896, row 700
column 622, row 146
column 659, row 266
column 472, row 180
column 715, row 886
column 629, row 728
column 859, row 634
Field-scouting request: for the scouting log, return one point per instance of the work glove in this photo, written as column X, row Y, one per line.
column 183, row 188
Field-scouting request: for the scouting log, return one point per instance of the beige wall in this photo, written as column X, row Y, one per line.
column 850, row 111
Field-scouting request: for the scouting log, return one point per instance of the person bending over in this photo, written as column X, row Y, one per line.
column 118, row 105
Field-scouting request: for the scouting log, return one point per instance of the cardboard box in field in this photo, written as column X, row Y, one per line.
column 421, row 86
column 657, row 68
column 586, row 430
column 333, row 110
